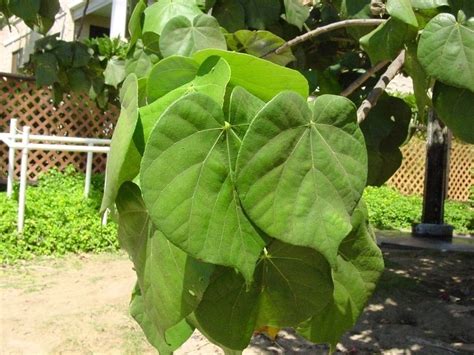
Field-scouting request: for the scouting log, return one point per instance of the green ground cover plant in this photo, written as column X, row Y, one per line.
column 58, row 219
column 389, row 209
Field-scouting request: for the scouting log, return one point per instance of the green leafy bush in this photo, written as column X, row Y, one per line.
column 58, row 220
column 389, row 209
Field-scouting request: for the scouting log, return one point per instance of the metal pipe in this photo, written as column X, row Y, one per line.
column 11, row 159
column 61, row 147
column 41, row 137
column 23, row 172
column 87, row 186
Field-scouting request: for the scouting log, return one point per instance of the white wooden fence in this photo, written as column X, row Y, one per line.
column 22, row 140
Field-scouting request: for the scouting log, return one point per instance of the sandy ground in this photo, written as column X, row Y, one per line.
column 79, row 305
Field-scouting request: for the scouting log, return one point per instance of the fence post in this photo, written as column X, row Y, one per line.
column 87, row 186
column 24, row 169
column 11, row 159
column 436, row 181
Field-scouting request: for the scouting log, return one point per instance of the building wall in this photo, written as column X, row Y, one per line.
column 21, row 36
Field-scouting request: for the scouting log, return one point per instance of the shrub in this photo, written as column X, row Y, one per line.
column 58, row 219
column 389, row 209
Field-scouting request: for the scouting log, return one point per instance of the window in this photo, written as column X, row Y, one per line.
column 97, row 31
column 17, row 60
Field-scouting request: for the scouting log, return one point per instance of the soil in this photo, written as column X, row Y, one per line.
column 79, row 305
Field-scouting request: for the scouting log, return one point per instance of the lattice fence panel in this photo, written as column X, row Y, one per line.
column 410, row 177
column 76, row 116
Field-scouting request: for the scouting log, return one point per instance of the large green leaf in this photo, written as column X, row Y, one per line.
column 260, row 77
column 46, row 68
column 261, row 44
column 176, row 336
column 182, row 36
column 171, row 282
column 141, row 62
column 456, row 108
column 429, row 4
column 291, row 285
column 169, row 74
column 136, row 21
column 25, row 9
column 359, row 265
column 385, row 130
column 230, row 14
column 114, row 72
column 421, row 81
column 123, row 162
column 211, row 80
column 301, row 170
column 160, row 13
column 296, row 13
column 402, row 11
column 189, row 188
column 387, row 40
column 446, row 51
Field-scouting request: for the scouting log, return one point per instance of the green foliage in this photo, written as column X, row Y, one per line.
column 389, row 209
column 79, row 66
column 385, row 129
column 446, row 51
column 198, row 227
column 248, row 211
column 58, row 220
column 456, row 108
column 39, row 15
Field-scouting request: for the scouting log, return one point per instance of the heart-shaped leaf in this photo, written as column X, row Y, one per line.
column 402, row 10
column 446, row 51
column 211, row 80
column 262, row 44
column 171, row 282
column 387, row 40
column 136, row 21
column 291, row 285
column 123, row 162
column 359, row 265
column 189, row 186
column 456, row 108
column 176, row 336
column 296, row 13
column 182, row 36
column 260, row 77
column 161, row 12
column 169, row 74
column 301, row 170
column 385, row 130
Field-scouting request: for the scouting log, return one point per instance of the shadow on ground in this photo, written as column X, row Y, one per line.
column 424, row 304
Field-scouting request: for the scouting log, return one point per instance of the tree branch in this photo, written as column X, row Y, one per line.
column 328, row 28
column 380, row 87
column 363, row 78
column 84, row 14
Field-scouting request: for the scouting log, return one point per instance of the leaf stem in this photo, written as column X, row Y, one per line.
column 380, row 87
column 363, row 78
column 328, row 28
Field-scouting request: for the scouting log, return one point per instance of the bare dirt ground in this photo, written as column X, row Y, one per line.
column 79, row 305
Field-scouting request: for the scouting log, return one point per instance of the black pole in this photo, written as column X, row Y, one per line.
column 436, row 181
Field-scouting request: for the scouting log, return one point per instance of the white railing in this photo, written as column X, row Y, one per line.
column 84, row 145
